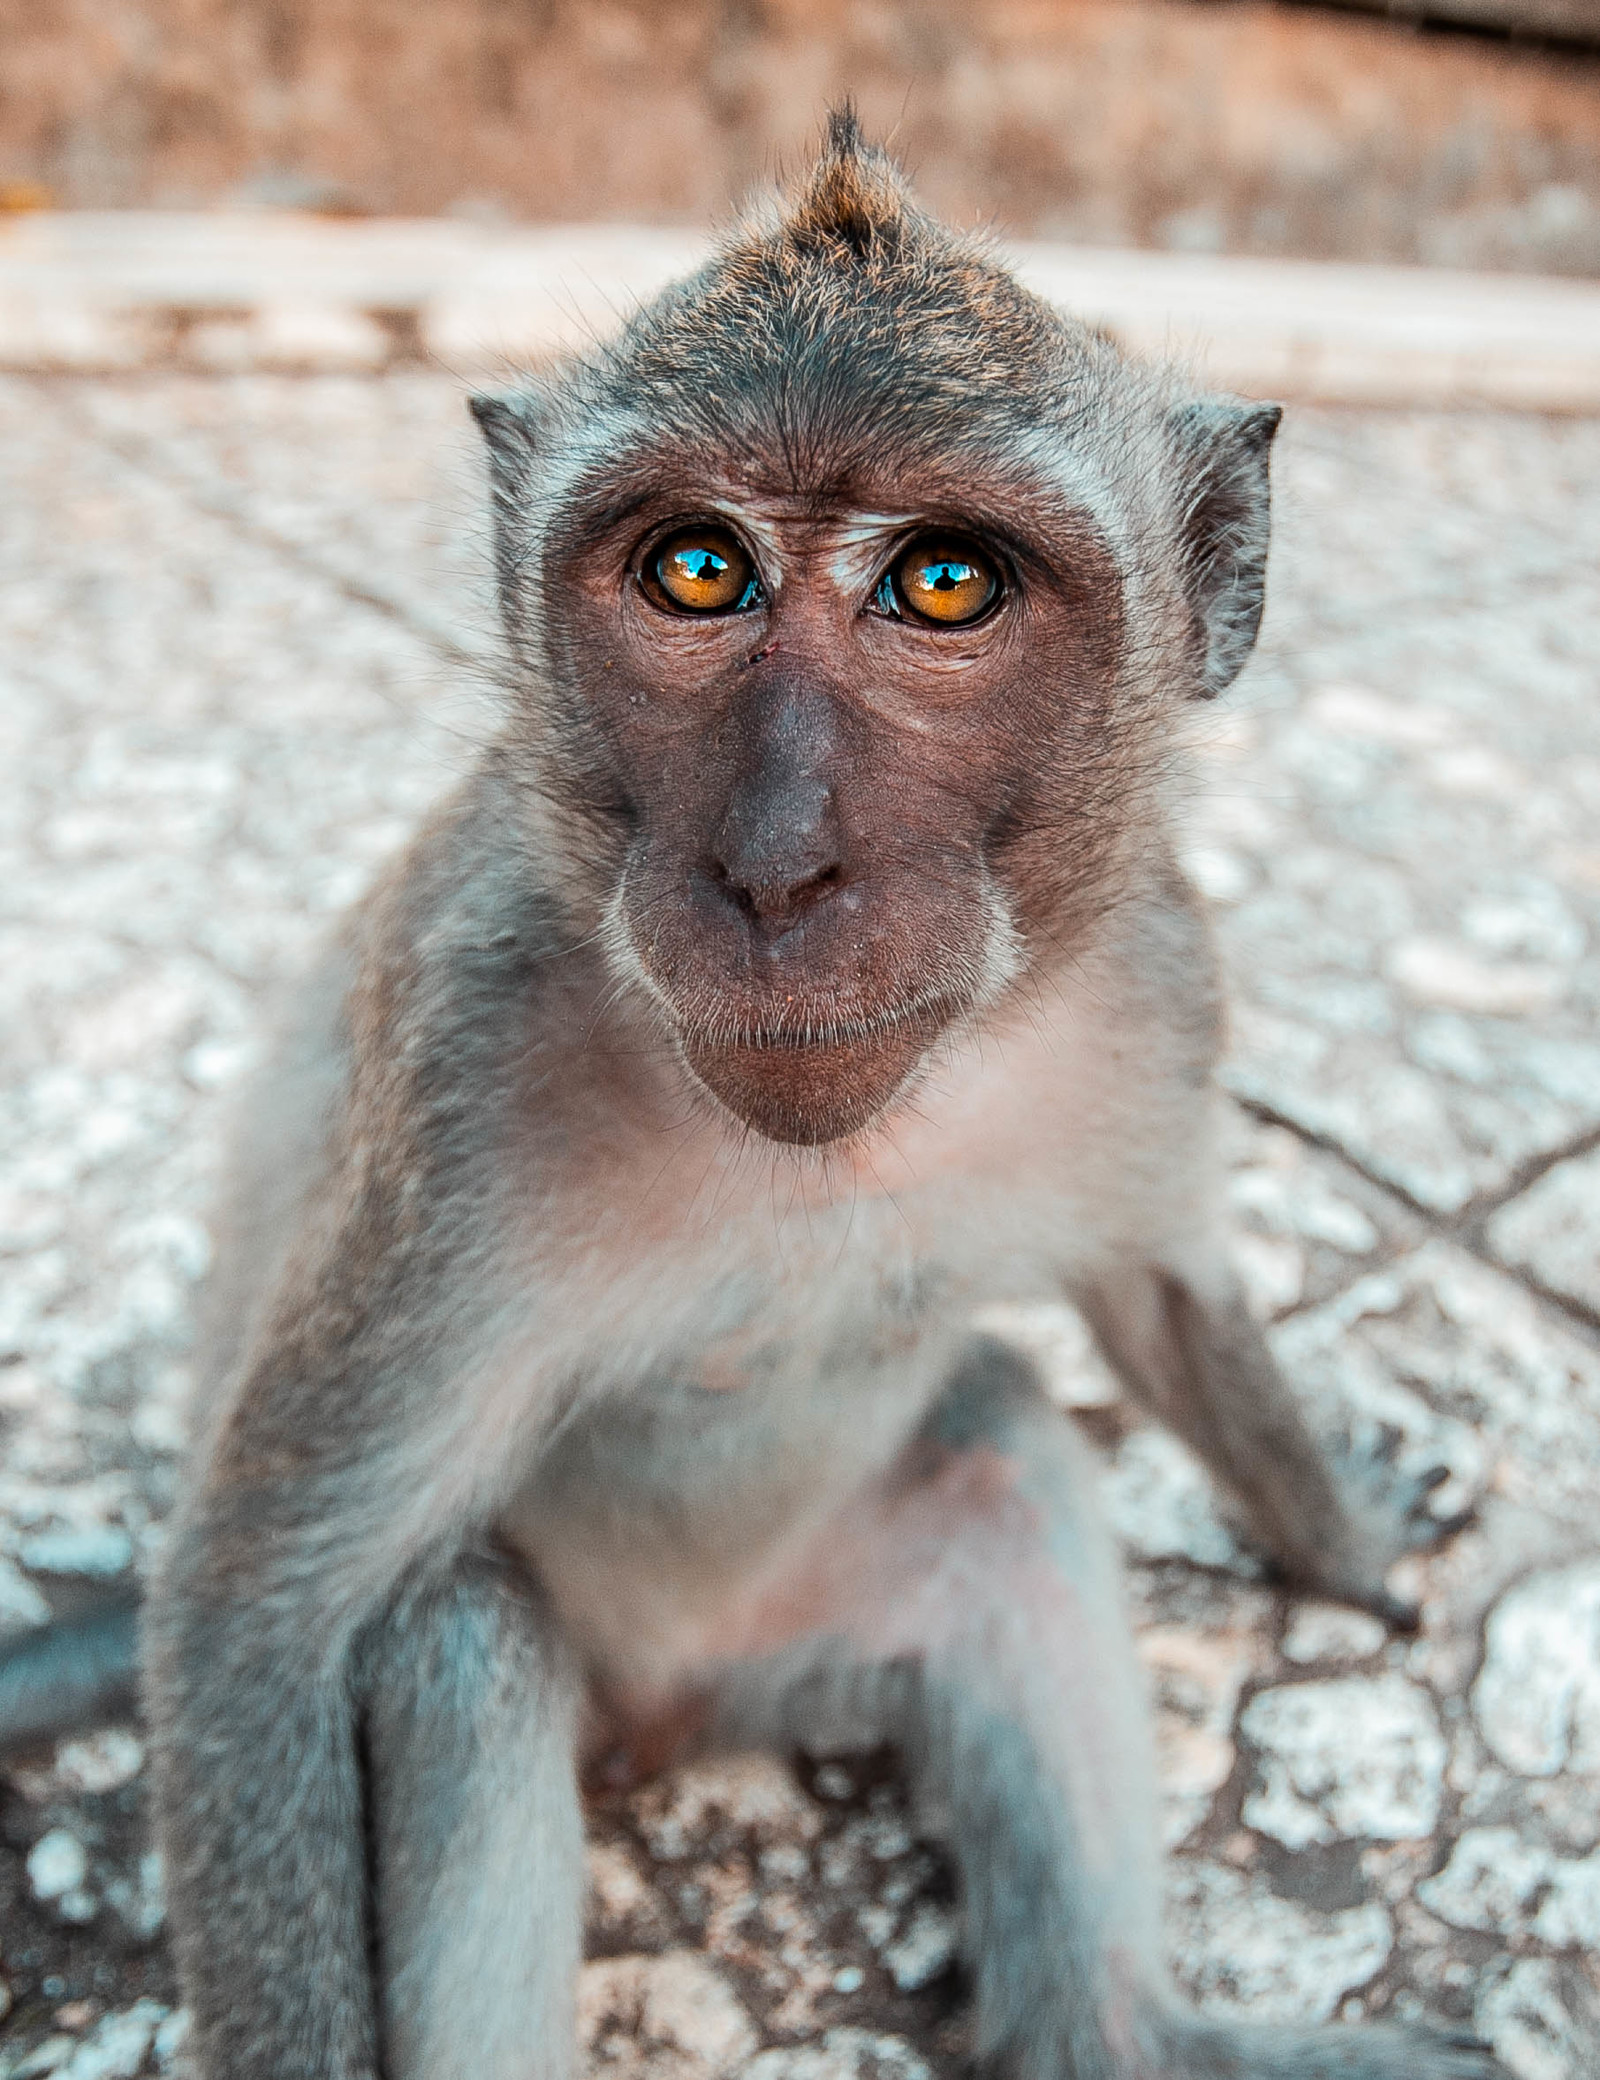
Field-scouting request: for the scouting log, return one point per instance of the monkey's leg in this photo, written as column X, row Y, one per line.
column 970, row 1611
column 469, row 1715
column 1194, row 1355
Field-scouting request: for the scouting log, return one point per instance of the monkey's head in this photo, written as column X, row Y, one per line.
column 852, row 593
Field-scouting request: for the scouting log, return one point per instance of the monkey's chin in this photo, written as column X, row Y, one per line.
column 807, row 1096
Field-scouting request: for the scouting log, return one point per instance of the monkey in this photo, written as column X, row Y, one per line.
column 803, row 967
column 79, row 1671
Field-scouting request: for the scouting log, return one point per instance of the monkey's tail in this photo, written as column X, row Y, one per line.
column 76, row 1673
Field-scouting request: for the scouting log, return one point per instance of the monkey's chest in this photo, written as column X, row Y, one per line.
column 669, row 1498
column 742, row 1380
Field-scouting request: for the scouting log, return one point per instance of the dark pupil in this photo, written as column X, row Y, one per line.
column 701, row 565
column 945, row 577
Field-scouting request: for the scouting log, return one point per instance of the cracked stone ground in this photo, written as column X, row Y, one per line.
column 238, row 631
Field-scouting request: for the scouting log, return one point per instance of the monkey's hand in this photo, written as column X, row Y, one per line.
column 1388, row 1507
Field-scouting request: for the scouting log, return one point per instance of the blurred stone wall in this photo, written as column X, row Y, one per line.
column 1197, row 124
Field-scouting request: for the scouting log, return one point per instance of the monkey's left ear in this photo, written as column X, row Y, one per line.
column 1223, row 447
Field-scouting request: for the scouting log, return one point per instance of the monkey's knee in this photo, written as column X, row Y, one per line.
column 992, row 1391
column 458, row 1624
column 995, row 1439
column 465, row 1663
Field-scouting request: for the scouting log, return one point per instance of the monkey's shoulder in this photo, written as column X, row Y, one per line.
column 467, row 913
column 468, row 977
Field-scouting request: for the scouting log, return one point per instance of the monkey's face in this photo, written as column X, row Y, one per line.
column 831, row 730
column 854, row 591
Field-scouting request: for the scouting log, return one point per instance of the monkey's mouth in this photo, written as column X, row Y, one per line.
column 810, row 1083
column 799, row 1056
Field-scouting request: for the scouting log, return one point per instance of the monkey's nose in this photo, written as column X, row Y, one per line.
column 774, row 859
column 773, row 892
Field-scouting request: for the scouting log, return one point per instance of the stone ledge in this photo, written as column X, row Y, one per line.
column 120, row 292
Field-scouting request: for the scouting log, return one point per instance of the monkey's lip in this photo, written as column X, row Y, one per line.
column 810, row 1086
column 922, row 1018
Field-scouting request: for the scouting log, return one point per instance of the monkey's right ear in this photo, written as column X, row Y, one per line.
column 512, row 421
column 1223, row 447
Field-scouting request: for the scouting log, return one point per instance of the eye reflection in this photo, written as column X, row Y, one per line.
column 701, row 570
column 941, row 579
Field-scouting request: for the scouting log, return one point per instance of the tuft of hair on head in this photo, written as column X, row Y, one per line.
column 855, row 197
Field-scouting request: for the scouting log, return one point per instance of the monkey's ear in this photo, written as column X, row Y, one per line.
column 512, row 421
column 1223, row 447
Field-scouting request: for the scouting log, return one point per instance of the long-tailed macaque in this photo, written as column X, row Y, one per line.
column 804, row 966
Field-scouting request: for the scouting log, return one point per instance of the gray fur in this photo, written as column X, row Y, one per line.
column 711, row 1401
column 477, row 1854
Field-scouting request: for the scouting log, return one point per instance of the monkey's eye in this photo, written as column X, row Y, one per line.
column 700, row 570
column 941, row 579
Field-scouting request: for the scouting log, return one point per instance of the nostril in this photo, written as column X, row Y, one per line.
column 730, row 890
column 816, row 883
column 776, row 894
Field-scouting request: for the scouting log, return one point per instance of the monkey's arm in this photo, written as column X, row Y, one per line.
column 343, row 1469
column 1192, row 1352
column 342, row 1461
column 1168, row 1309
column 258, row 1792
